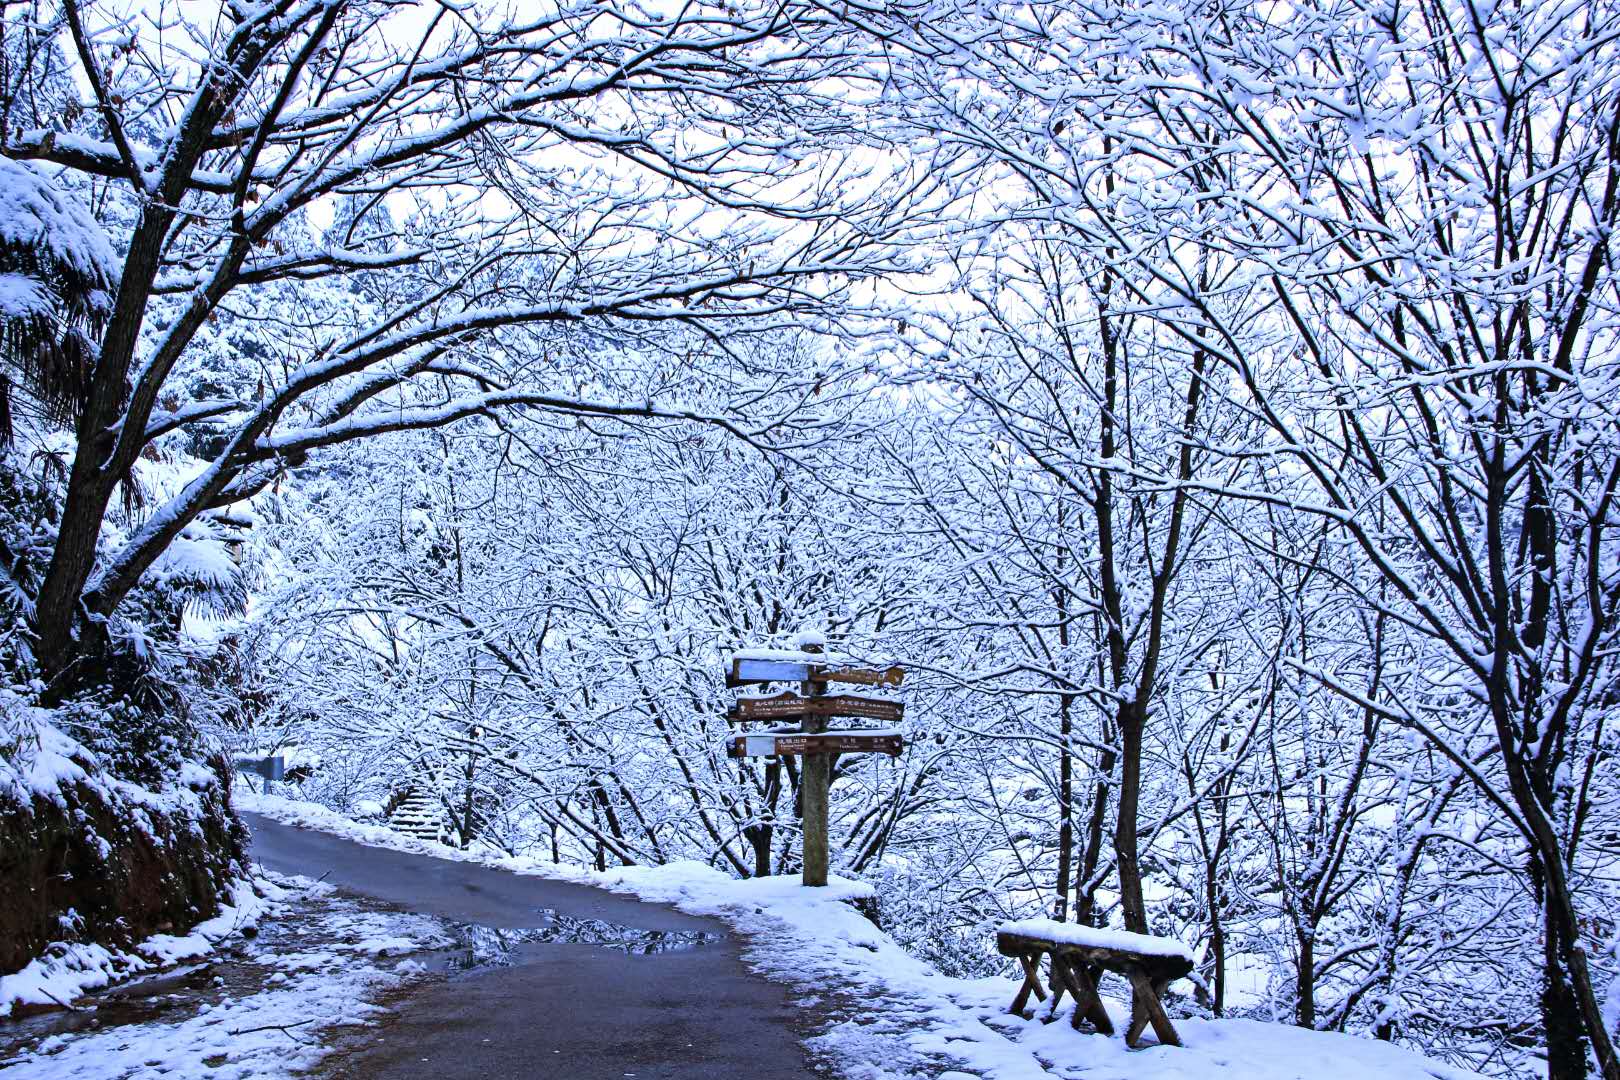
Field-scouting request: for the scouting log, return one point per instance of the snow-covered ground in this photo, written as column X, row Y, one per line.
column 288, row 964
column 894, row 1017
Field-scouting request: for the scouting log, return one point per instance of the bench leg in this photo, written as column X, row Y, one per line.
column 1059, row 983
column 1087, row 1002
column 1139, row 1019
column 1032, row 972
column 1147, row 1009
column 1032, row 984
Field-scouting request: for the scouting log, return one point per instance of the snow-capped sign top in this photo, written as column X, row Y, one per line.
column 786, row 656
column 810, row 639
column 770, row 665
column 1091, row 937
column 37, row 216
column 785, row 665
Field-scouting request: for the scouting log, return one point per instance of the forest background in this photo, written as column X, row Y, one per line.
column 1212, row 404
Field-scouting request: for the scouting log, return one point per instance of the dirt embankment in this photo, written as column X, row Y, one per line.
column 87, row 858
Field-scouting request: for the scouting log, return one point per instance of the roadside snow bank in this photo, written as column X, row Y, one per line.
column 920, row 1019
column 891, row 1016
column 274, row 1006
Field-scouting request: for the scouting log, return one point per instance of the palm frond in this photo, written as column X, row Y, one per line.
column 57, row 271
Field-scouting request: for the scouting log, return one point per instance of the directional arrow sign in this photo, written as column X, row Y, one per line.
column 789, row 706
column 865, row 707
column 785, row 706
column 831, row 742
column 889, row 676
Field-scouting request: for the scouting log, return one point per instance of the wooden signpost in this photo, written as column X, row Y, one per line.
column 817, row 746
column 272, row 767
column 267, row 768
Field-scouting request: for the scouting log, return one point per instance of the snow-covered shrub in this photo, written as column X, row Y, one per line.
column 938, row 926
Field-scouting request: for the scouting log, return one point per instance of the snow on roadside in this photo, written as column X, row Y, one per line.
column 911, row 1020
column 921, row 1018
column 68, row 970
column 303, row 981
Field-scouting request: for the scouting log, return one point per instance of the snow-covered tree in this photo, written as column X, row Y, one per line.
column 566, row 167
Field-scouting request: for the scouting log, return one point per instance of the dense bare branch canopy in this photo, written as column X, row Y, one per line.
column 566, row 164
column 1212, row 403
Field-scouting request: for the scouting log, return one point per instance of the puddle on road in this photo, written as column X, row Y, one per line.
column 486, row 946
column 245, row 967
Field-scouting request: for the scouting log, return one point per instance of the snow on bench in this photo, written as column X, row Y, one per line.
column 1094, row 937
column 1079, row 955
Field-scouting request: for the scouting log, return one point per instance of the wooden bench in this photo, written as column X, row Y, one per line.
column 1080, row 954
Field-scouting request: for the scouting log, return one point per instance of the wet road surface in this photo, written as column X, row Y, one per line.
column 561, row 981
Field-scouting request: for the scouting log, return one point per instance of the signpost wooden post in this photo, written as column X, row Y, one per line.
column 815, row 783
column 812, row 707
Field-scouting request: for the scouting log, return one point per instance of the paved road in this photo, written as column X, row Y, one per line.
column 562, row 1011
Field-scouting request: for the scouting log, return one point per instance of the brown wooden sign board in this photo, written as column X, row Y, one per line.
column 889, row 676
column 867, row 708
column 831, row 742
column 786, row 705
column 789, row 706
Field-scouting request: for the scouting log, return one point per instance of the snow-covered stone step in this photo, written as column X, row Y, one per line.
column 418, row 816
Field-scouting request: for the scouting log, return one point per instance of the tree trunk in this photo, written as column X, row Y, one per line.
column 1130, row 789
column 468, row 828
column 1570, row 1012
column 1560, row 1006
column 1305, row 979
column 1085, row 901
column 762, row 836
column 1065, row 865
